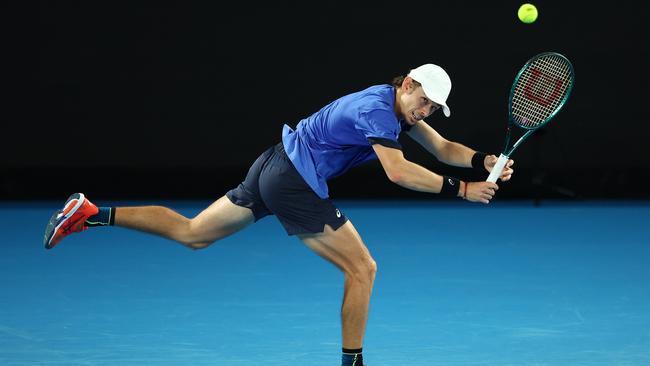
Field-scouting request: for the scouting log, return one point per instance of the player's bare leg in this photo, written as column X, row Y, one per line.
column 221, row 219
column 345, row 249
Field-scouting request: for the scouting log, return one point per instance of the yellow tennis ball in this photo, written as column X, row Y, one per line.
column 527, row 13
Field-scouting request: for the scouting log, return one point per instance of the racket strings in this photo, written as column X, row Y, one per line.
column 540, row 90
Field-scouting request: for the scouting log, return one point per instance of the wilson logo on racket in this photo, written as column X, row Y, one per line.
column 532, row 94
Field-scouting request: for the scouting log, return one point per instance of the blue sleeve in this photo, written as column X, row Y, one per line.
column 378, row 124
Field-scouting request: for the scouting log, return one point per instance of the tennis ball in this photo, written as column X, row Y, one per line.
column 527, row 13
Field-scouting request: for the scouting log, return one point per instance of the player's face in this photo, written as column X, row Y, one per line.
column 417, row 106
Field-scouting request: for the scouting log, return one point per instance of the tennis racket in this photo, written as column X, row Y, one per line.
column 539, row 91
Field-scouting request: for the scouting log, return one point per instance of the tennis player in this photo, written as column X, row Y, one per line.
column 289, row 180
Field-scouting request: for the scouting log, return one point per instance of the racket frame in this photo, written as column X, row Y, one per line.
column 506, row 153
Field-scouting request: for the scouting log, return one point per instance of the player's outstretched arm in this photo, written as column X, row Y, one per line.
column 448, row 152
column 405, row 173
column 454, row 153
column 415, row 177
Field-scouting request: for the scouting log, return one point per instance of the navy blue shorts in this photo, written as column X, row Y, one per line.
column 273, row 186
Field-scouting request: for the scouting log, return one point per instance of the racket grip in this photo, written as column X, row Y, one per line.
column 498, row 169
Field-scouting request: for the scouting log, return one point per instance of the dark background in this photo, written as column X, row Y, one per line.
column 175, row 100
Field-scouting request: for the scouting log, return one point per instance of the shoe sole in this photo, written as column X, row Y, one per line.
column 50, row 232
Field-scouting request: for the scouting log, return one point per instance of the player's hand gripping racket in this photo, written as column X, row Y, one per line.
column 539, row 91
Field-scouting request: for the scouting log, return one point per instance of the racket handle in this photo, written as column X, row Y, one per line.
column 498, row 169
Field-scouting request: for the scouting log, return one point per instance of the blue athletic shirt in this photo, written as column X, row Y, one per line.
column 340, row 135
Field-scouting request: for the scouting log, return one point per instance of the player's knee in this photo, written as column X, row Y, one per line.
column 364, row 271
column 193, row 237
column 373, row 268
column 197, row 245
column 195, row 242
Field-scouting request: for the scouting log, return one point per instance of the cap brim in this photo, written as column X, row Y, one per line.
column 446, row 111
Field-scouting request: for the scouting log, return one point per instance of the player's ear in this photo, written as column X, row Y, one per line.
column 407, row 84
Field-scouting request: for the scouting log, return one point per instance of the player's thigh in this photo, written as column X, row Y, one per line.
column 220, row 219
column 343, row 247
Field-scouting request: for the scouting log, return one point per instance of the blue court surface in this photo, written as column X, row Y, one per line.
column 459, row 284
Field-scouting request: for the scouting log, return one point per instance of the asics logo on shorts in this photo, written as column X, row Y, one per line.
column 338, row 213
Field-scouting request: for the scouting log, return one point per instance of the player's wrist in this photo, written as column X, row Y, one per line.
column 450, row 187
column 478, row 161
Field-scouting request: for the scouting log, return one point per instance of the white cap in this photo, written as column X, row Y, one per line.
column 435, row 83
